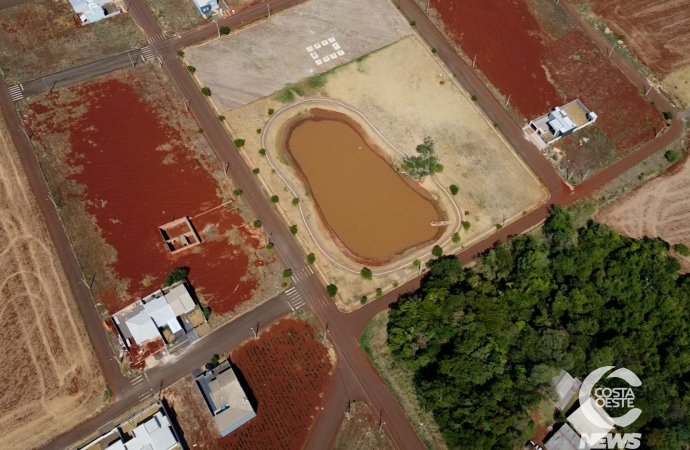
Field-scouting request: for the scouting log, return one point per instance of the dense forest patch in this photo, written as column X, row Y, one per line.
column 485, row 342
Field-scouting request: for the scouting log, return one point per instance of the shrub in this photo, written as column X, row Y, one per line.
column 238, row 143
column 206, row 311
column 214, row 360
column 287, row 273
column 465, row 225
column 311, row 258
column 668, row 115
column 270, row 111
column 412, row 23
column 269, row 246
column 379, row 292
column 255, row 170
column 332, row 290
column 295, row 201
column 293, row 229
column 467, row 213
column 672, row 156
column 499, row 226
column 237, row 192
column 682, row 249
column 262, row 151
column 454, row 189
column 224, row 30
column 257, row 223
column 415, row 263
column 176, row 275
column 206, row 91
column 433, row 50
column 180, row 53
column 363, row 300
column 258, row 131
column 474, row 98
column 200, row 130
column 437, row 251
column 221, row 118
column 366, row 273
column 456, row 238
column 191, row 69
column 274, row 199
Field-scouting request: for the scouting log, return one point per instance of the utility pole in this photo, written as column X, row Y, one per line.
column 217, row 27
column 44, row 82
column 226, row 168
column 474, row 62
column 508, row 101
column 612, row 47
column 662, row 129
column 648, row 90
column 268, row 5
column 381, row 422
column 130, row 60
column 325, row 332
column 427, row 6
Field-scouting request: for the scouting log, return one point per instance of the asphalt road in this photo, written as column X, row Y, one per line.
column 355, row 377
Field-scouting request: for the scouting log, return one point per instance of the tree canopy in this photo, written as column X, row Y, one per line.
column 485, row 342
column 418, row 167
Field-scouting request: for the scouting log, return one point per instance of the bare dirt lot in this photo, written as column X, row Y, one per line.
column 541, row 59
column 405, row 94
column 658, row 31
column 262, row 59
column 49, row 375
column 43, row 36
column 360, row 431
column 286, row 370
column 176, row 15
column 122, row 157
column 660, row 208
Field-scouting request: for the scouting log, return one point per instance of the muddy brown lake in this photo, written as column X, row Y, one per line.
column 373, row 211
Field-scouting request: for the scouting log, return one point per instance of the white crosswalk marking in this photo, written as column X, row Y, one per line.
column 302, row 273
column 157, row 38
column 295, row 300
column 16, row 92
column 148, row 53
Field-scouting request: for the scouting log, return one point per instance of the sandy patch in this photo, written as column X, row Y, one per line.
column 678, row 85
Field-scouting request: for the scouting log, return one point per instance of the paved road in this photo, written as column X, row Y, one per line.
column 355, row 377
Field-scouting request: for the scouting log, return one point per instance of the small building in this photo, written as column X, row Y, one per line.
column 225, row 398
column 565, row 439
column 566, row 387
column 560, row 122
column 148, row 430
column 206, row 7
column 590, row 432
column 143, row 320
column 90, row 11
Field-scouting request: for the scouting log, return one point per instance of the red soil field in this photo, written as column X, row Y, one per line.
column 136, row 175
column 657, row 31
column 624, row 115
column 287, row 371
column 525, row 52
column 505, row 37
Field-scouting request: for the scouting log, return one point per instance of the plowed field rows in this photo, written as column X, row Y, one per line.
column 287, row 371
column 48, row 373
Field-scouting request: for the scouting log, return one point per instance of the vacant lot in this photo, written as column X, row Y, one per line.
column 360, row 430
column 657, row 31
column 43, row 36
column 121, row 158
column 259, row 61
column 531, row 51
column 287, row 371
column 405, row 94
column 49, row 376
column 176, row 15
column 399, row 381
column 660, row 208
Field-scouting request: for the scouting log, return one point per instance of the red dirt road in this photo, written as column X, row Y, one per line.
column 137, row 174
column 505, row 37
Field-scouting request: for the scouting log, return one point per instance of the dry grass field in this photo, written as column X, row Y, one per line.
column 175, row 15
column 42, row 36
column 360, row 431
column 660, row 208
column 49, row 375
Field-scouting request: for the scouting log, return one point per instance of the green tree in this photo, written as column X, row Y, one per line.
column 311, row 258
column 456, row 238
column 257, row 223
column 454, row 189
column 672, row 155
column 238, row 143
column 206, row 91
column 332, row 290
column 179, row 274
column 379, row 292
column 295, row 201
column 465, row 225
column 293, row 229
column 221, row 118
column 682, row 249
column 437, row 251
column 274, row 199
column 224, row 30
column 426, row 164
column 191, row 69
column 255, row 170
column 363, row 299
column 366, row 273
column 237, row 192
column 262, row 151
column 287, row 273
column 270, row 111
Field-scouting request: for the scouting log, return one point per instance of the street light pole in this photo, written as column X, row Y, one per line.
column 217, row 27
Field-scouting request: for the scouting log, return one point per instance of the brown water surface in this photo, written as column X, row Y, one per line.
column 373, row 211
